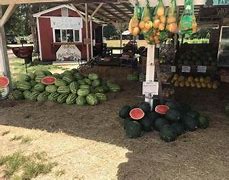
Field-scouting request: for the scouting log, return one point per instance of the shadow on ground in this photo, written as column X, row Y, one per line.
column 199, row 155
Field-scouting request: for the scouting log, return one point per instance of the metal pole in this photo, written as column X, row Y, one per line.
column 86, row 24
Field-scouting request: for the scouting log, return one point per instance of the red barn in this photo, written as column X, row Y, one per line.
column 61, row 34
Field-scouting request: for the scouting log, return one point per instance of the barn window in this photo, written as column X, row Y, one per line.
column 67, row 35
column 64, row 12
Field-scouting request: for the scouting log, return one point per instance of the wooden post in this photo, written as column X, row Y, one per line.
column 4, row 61
column 91, row 37
column 150, row 70
column 86, row 24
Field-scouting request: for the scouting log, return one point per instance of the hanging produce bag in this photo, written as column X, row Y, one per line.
column 188, row 23
column 159, row 17
column 134, row 21
column 172, row 17
column 146, row 23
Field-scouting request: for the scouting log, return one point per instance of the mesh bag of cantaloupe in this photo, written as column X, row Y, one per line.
column 158, row 33
column 188, row 23
column 135, row 20
column 171, row 25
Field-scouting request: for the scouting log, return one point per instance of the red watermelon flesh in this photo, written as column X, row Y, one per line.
column 48, row 80
column 137, row 113
column 161, row 109
column 4, row 81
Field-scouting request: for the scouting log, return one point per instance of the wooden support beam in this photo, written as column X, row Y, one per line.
column 9, row 11
column 78, row 11
column 7, row 2
column 117, row 16
column 100, row 14
column 4, row 61
column 128, row 6
column 86, row 24
column 119, row 10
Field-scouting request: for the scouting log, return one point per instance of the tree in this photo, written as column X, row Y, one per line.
column 109, row 31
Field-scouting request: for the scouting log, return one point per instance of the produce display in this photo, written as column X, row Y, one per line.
column 194, row 82
column 197, row 55
column 177, row 120
column 157, row 23
column 70, row 87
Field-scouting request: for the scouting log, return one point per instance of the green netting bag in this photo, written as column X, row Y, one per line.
column 134, row 21
column 159, row 16
column 188, row 23
column 146, row 23
column 172, row 17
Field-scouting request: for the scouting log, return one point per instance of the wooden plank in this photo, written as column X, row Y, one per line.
column 9, row 11
column 119, row 10
column 6, row 2
column 4, row 61
column 128, row 6
column 117, row 16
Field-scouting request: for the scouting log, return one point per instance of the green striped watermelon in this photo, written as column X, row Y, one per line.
column 68, row 78
column 39, row 87
column 53, row 96
column 51, row 88
column 63, row 90
column 60, row 82
column 27, row 94
column 43, row 96
column 33, row 96
column 81, row 101
column 83, row 92
column 92, row 99
column 62, row 98
column 101, row 96
column 71, row 99
column 93, row 76
column 74, row 87
column 96, row 83
column 87, row 81
column 23, row 85
column 24, row 77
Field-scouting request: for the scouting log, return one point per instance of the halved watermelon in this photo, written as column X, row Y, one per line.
column 161, row 109
column 137, row 113
column 4, row 81
column 48, row 80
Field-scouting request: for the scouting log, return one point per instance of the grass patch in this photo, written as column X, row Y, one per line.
column 5, row 133
column 19, row 166
column 60, row 173
column 26, row 139
column 16, row 138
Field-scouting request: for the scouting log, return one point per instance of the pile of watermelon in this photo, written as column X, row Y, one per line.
column 178, row 119
column 70, row 87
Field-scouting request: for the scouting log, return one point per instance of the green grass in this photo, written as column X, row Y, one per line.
column 16, row 138
column 18, row 166
column 23, row 139
column 5, row 133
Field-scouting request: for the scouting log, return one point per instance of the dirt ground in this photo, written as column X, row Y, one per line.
column 89, row 142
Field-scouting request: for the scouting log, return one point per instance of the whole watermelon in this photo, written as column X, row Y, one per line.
column 39, row 87
column 74, row 87
column 24, row 77
column 93, row 76
column 23, row 85
column 53, row 96
column 51, row 88
column 71, row 99
column 62, row 98
column 17, row 95
column 33, row 96
column 81, row 101
column 63, row 90
column 43, row 96
column 92, row 99
column 68, row 78
column 83, row 92
column 27, row 94
column 60, row 82
column 101, row 97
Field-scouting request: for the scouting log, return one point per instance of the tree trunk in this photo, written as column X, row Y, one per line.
column 32, row 21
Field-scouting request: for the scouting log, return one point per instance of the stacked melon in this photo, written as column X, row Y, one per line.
column 194, row 82
column 70, row 87
column 177, row 120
